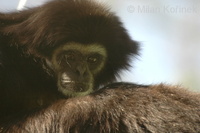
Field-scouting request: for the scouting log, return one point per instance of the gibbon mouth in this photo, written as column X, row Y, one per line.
column 74, row 86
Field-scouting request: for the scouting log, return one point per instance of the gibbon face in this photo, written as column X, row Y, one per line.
column 76, row 66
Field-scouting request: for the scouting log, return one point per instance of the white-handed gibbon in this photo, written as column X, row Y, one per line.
column 62, row 49
column 53, row 61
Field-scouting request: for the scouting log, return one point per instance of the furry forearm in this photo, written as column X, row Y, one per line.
column 123, row 109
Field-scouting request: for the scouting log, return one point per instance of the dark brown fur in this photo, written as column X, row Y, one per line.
column 121, row 108
column 30, row 101
column 27, row 39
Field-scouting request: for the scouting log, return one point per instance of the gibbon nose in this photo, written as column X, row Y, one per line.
column 81, row 70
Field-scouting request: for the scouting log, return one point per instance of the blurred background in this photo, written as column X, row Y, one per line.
column 168, row 32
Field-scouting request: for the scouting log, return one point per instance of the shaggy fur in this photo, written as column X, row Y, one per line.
column 29, row 97
column 120, row 108
column 27, row 39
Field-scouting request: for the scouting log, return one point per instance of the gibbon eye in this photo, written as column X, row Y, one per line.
column 92, row 59
column 70, row 56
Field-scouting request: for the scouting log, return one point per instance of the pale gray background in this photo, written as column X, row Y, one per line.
column 168, row 32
